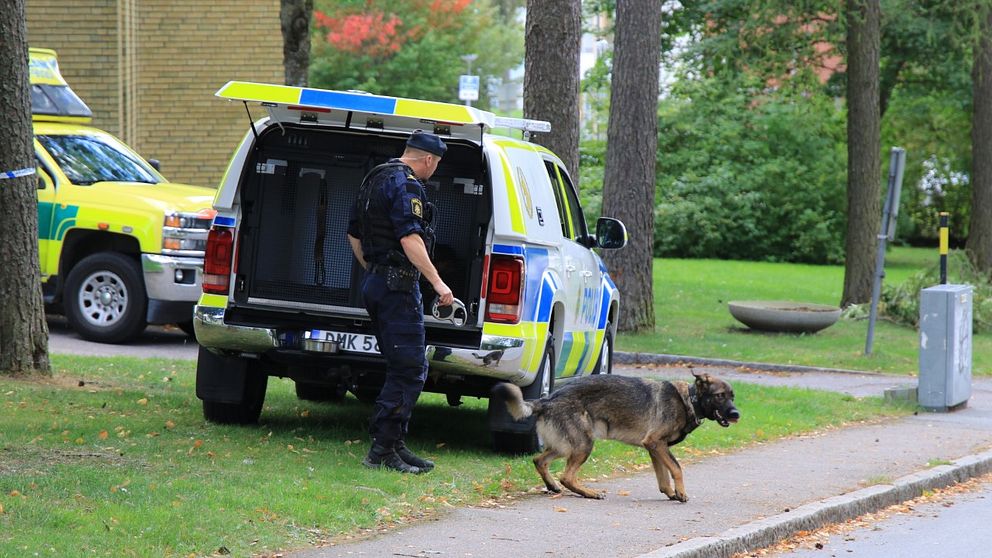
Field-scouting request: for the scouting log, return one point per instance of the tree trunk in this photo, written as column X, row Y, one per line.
column 23, row 330
column 295, row 16
column 979, row 245
column 863, row 150
column 631, row 153
column 551, row 75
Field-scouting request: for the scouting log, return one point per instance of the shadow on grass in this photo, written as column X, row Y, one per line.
column 434, row 422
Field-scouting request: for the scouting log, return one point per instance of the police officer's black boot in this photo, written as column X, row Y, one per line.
column 380, row 457
column 411, row 458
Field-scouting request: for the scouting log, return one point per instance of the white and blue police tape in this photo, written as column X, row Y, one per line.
column 16, row 173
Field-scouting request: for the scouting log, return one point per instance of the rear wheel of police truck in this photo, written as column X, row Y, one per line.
column 523, row 438
column 232, row 388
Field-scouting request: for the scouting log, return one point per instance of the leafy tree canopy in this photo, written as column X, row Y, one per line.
column 414, row 48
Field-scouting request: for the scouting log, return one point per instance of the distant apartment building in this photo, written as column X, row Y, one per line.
column 149, row 68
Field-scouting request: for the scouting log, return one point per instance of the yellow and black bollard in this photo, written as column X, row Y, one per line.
column 943, row 247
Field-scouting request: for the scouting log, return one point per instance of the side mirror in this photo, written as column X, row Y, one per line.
column 41, row 183
column 155, row 164
column 610, row 233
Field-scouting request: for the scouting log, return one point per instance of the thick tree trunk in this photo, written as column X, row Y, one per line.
column 295, row 16
column 631, row 153
column 551, row 75
column 863, row 149
column 23, row 330
column 979, row 245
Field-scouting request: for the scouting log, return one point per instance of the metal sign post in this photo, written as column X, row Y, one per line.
column 890, row 211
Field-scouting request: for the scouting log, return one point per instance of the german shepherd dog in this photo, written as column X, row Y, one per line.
column 639, row 412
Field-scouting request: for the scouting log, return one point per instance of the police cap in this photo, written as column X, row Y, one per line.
column 424, row 141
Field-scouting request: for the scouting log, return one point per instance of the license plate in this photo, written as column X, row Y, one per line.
column 350, row 342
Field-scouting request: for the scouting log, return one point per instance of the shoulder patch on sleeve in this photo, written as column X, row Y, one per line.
column 417, row 207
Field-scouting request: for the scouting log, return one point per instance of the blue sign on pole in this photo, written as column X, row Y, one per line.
column 468, row 88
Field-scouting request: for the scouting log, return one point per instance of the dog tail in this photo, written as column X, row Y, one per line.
column 515, row 404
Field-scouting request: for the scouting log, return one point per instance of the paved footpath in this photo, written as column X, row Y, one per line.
column 741, row 501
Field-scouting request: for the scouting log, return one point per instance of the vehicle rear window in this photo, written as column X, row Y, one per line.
column 87, row 159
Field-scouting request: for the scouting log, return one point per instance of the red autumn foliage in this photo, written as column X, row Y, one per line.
column 376, row 33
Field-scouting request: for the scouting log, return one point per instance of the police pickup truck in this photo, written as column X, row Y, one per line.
column 282, row 291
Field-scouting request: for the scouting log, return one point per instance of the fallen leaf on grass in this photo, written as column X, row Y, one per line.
column 142, row 401
column 170, row 425
column 103, row 434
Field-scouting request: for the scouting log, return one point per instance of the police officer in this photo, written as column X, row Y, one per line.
column 387, row 230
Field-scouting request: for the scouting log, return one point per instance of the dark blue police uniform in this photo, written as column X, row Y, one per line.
column 395, row 209
column 393, row 204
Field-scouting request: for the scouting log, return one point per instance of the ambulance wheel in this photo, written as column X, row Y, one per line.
column 605, row 363
column 104, row 298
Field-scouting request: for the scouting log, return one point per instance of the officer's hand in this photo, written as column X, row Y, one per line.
column 443, row 293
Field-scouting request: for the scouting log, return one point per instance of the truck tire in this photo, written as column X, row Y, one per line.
column 232, row 388
column 526, row 442
column 104, row 298
column 605, row 363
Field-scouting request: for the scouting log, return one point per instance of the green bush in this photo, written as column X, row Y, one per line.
column 901, row 303
column 748, row 177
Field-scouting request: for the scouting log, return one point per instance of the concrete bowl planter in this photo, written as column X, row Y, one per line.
column 783, row 316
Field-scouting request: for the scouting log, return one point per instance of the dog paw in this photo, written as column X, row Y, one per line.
column 679, row 496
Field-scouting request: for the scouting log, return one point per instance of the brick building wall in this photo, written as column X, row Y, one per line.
column 149, row 69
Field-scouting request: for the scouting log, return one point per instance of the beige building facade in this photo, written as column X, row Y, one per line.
column 149, row 68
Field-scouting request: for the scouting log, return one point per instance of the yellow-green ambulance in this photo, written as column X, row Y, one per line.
column 120, row 246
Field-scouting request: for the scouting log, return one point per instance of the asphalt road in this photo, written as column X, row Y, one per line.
column 156, row 341
column 955, row 527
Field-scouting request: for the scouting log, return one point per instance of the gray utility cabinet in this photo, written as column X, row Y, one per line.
column 945, row 347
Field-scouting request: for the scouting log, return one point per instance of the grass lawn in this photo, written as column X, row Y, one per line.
column 692, row 317
column 111, row 457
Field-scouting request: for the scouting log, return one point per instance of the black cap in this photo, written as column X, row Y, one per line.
column 430, row 143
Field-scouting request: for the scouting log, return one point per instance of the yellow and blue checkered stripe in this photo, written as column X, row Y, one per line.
column 357, row 102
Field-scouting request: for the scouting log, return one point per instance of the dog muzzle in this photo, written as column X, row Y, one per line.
column 733, row 415
column 454, row 312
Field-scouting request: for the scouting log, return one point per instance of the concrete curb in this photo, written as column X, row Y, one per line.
column 620, row 357
column 768, row 531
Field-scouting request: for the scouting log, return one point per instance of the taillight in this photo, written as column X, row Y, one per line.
column 217, row 263
column 504, row 297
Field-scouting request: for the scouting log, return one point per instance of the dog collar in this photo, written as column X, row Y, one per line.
column 691, row 401
column 697, row 411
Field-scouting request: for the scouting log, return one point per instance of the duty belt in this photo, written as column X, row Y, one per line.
column 383, row 269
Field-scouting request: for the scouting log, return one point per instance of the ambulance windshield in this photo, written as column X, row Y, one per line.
column 87, row 159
